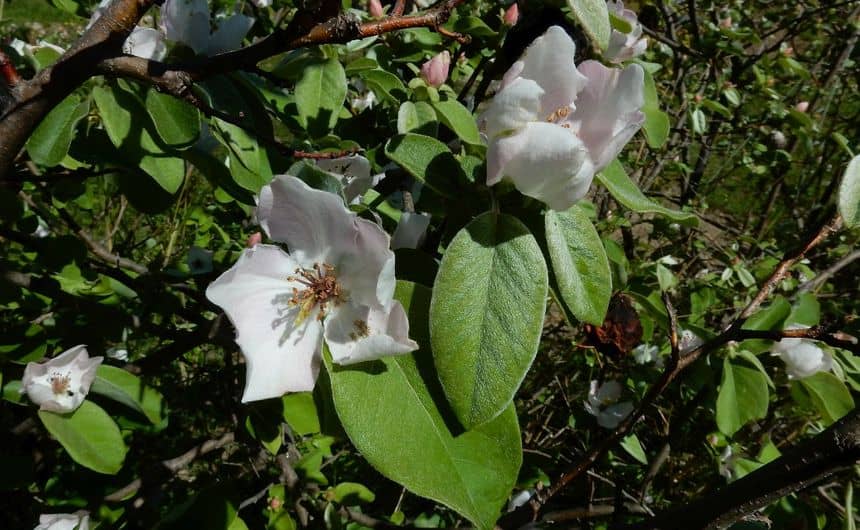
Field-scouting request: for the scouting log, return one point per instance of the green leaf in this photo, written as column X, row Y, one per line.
column 265, row 423
column 385, row 84
column 49, row 143
column 615, row 179
column 829, row 395
column 123, row 387
column 300, row 412
column 743, row 397
column 418, row 118
column 90, row 437
column 634, row 448
column 177, row 122
column 428, row 160
column 699, row 121
column 656, row 125
column 849, row 193
column 579, row 264
column 806, row 311
column 458, row 118
column 396, row 415
column 487, row 314
column 770, row 317
column 350, row 494
column 320, row 94
column 130, row 130
column 594, row 18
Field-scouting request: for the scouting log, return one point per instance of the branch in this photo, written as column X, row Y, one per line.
column 833, row 451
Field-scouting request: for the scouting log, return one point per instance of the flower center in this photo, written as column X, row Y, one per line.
column 559, row 114
column 321, row 288
column 60, row 384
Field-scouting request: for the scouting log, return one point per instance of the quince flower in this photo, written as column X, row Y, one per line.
column 602, row 403
column 79, row 520
column 188, row 22
column 61, row 384
column 551, row 126
column 625, row 46
column 336, row 284
column 353, row 172
column 147, row 43
column 802, row 357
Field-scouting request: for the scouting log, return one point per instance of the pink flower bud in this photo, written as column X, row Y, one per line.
column 802, row 106
column 511, row 15
column 374, row 7
column 435, row 71
column 254, row 239
column 726, row 23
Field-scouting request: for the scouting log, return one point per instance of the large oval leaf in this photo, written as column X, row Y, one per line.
column 128, row 389
column 849, row 193
column 90, row 437
column 579, row 264
column 829, row 395
column 487, row 315
column 320, row 94
column 594, row 17
column 458, row 118
column 50, row 142
column 428, row 160
column 177, row 122
column 615, row 179
column 395, row 413
column 743, row 397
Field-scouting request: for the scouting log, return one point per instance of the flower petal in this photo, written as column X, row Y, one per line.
column 187, row 21
column 607, row 112
column 545, row 161
column 353, row 172
column 612, row 415
column 229, row 34
column 549, row 62
column 147, row 43
column 282, row 356
column 359, row 333
column 410, row 230
column 512, row 108
column 319, row 229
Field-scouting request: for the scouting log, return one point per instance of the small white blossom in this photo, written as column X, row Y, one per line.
column 727, row 463
column 353, row 172
column 802, row 357
column 336, row 284
column 118, row 353
column 79, row 520
column 689, row 341
column 552, row 126
column 603, row 404
column 188, row 22
column 62, row 383
column 625, row 46
column 646, row 353
column 519, row 499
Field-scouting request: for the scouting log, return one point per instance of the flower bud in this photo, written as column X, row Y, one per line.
column 374, row 7
column 802, row 106
column 254, row 239
column 435, row 71
column 512, row 14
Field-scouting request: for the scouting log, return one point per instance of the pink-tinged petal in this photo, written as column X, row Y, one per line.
column 512, row 14
column 374, row 7
column 549, row 62
column 281, row 354
column 359, row 333
column 229, row 34
column 513, row 107
column 607, row 113
column 410, row 230
column 435, row 71
column 147, row 43
column 544, row 161
column 187, row 21
column 319, row 229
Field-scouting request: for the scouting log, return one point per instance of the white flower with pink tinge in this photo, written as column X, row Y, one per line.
column 552, row 126
column 603, row 404
column 61, row 384
column 335, row 284
column 79, row 520
column 802, row 357
column 625, row 46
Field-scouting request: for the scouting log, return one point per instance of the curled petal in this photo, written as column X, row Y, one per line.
column 361, row 333
column 147, row 43
column 229, row 35
column 281, row 354
column 410, row 230
column 607, row 112
column 549, row 62
column 187, row 21
column 514, row 106
column 353, row 172
column 544, row 161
